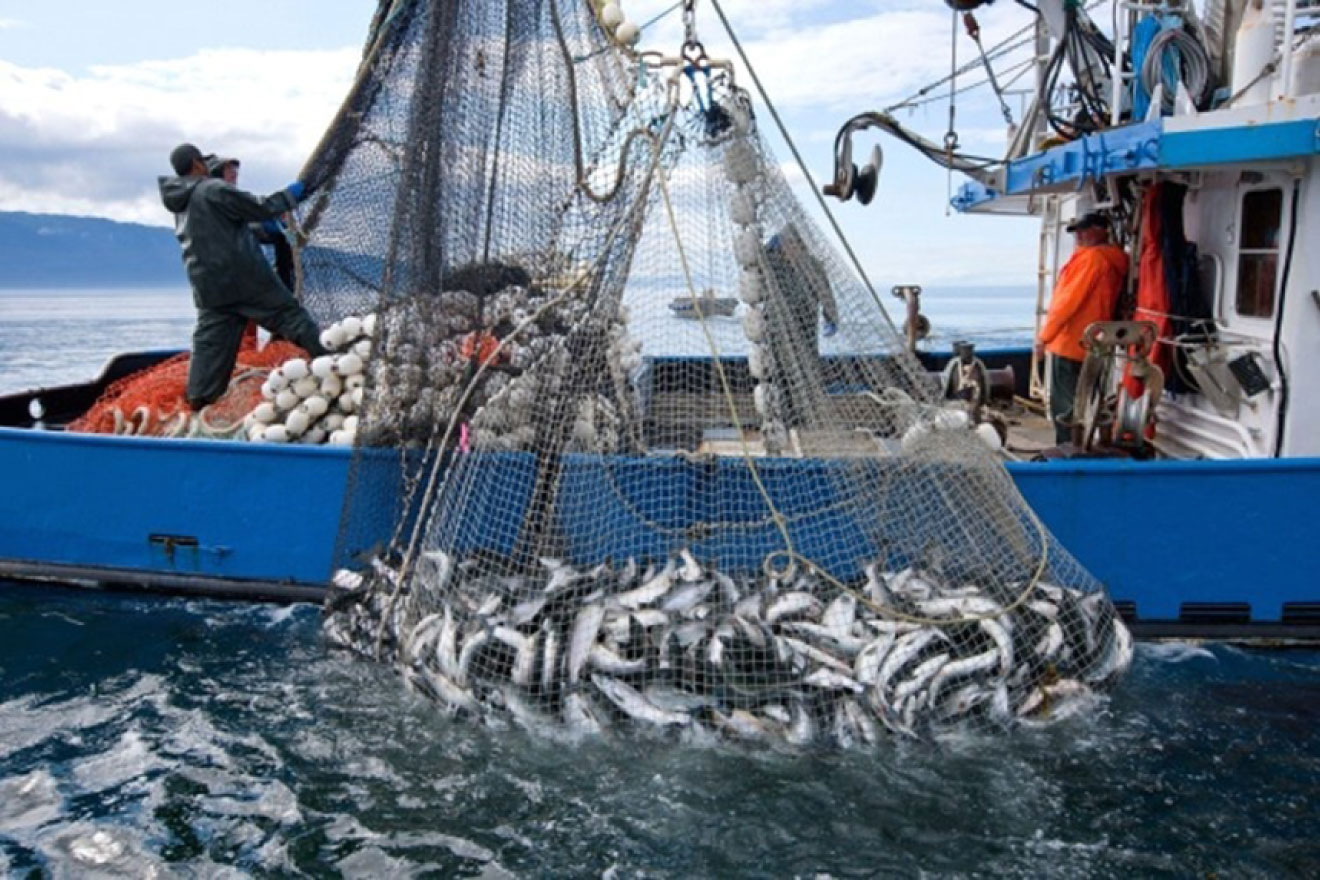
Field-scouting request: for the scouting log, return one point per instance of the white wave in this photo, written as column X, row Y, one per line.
column 1175, row 652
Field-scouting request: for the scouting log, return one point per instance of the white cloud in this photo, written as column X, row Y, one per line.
column 9, row 24
column 95, row 143
column 808, row 54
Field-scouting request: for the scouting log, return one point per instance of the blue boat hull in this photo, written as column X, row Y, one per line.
column 189, row 515
column 1201, row 544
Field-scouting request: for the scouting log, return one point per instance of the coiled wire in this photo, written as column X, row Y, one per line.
column 1193, row 67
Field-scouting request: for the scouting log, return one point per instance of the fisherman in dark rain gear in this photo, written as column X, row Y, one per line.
column 232, row 281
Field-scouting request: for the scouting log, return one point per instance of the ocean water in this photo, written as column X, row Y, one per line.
column 151, row 737
column 157, row 737
column 52, row 337
column 56, row 337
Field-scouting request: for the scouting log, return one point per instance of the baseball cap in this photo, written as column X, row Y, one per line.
column 215, row 164
column 1092, row 220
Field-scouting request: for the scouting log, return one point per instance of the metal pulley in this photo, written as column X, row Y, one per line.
column 849, row 180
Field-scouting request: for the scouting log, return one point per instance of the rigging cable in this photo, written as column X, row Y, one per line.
column 973, row 29
column 802, row 165
column 1278, row 322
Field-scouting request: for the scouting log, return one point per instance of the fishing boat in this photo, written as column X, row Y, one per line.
column 707, row 304
column 1190, row 503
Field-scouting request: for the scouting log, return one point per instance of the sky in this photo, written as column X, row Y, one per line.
column 95, row 93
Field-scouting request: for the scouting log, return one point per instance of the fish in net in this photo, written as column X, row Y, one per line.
column 765, row 526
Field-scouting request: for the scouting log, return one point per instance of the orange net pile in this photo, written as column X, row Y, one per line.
column 152, row 402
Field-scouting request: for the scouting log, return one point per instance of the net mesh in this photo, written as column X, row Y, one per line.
column 666, row 464
column 153, row 402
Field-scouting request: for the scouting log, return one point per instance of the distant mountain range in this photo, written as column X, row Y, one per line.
column 52, row 250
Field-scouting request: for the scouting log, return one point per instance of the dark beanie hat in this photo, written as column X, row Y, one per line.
column 182, row 158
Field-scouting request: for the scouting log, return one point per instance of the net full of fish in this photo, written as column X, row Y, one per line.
column 676, row 647
column 514, row 225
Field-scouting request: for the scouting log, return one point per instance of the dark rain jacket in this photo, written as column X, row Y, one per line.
column 224, row 262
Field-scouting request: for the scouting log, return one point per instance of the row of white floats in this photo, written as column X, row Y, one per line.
column 317, row 402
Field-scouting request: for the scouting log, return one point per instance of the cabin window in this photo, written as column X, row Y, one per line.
column 1258, row 253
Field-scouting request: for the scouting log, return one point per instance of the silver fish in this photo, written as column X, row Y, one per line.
column 802, row 729
column 526, row 611
column 605, row 660
column 1050, row 643
column 964, row 700
column 523, row 712
column 435, row 567
column 561, row 577
column 689, row 634
column 419, row 640
column 750, row 631
column 959, row 606
column 579, row 716
column 686, row 597
column 1057, row 701
column 876, row 589
column 815, row 655
column 585, row 628
column 1117, row 658
column 905, row 649
column 636, row 706
column 998, row 632
column 549, row 655
column 672, row 699
column 749, row 607
column 1000, row 708
column 828, row 679
column 471, row 645
column 1044, row 608
column 924, row 673
column 628, row 573
column 524, row 664
column 827, row 638
column 690, row 570
column 909, row 585
column 446, row 647
column 789, row 604
column 958, row 668
column 1032, row 701
column 840, row 613
column 866, row 667
column 489, row 605
column 846, row 733
column 451, row 694
column 729, row 593
column 744, row 725
column 649, row 618
column 383, row 569
column 649, row 592
column 861, row 722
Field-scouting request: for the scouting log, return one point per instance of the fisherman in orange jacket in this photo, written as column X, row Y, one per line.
column 1087, row 291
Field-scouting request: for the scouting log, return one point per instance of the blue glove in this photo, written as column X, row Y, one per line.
column 296, row 189
column 272, row 227
column 831, row 328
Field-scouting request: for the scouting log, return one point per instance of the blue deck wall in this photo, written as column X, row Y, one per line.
column 1158, row 534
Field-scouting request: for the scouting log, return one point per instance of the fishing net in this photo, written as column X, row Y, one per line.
column 153, row 403
column 758, row 521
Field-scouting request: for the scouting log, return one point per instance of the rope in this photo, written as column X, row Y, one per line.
column 726, row 387
column 778, row 517
column 802, row 166
column 433, row 475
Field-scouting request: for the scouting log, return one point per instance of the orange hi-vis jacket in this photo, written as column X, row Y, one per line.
column 1087, row 291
